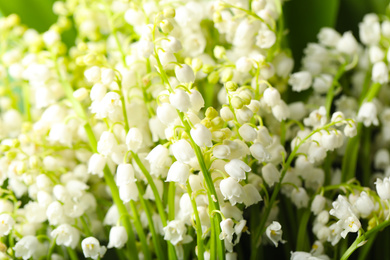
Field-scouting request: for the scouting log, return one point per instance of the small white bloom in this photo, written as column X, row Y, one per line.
column 328, row 37
column 178, row 172
column 368, row 114
column 184, row 73
column 299, row 197
column 274, row 233
column 91, row 248
column 128, row 192
column 317, row 118
column 27, row 247
column 66, row 235
column 350, row 129
column 124, row 174
column 232, row 190
column 380, row 73
column 166, row 57
column 259, row 152
column 197, row 101
column 226, row 114
column 172, row 44
column 247, row 133
column 134, row 139
column 271, row 96
column 180, row 100
column 364, row 204
column 281, row 111
column 183, row 151
column 166, row 113
column 265, row 39
column 300, row 81
column 252, row 195
column 383, row 188
column 96, row 164
column 118, row 237
column 270, row 174
column 318, row 204
column 221, row 151
column 107, row 143
column 201, row 135
column 6, row 224
column 92, row 74
column 175, row 232
column 322, row 83
column 236, row 169
column 243, row 64
column 347, row 44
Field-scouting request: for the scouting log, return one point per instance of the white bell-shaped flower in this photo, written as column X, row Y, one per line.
column 221, row 151
column 27, row 247
column 124, row 174
column 259, row 152
column 92, row 248
column 380, row 73
column 197, row 101
column 96, row 164
column 93, row 74
column 236, row 169
column 184, row 74
column 166, row 113
column 183, row 151
column 270, row 174
column 232, row 191
column 201, row 136
column 66, row 235
column 299, row 197
column 271, row 96
column 172, row 44
column 383, row 188
column 128, row 192
column 175, row 232
column 178, row 172
column 118, row 237
column 368, row 114
column 180, row 100
column 247, row 133
column 300, row 81
column 106, row 143
column 364, row 204
column 347, row 44
column 6, row 224
column 252, row 195
column 134, row 139
column 318, row 204
column 274, row 233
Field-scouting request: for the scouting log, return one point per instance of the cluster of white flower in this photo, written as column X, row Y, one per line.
column 163, row 130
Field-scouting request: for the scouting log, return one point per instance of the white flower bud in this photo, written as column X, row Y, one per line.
column 347, row 44
column 80, row 94
column 124, row 174
column 236, row 169
column 300, row 81
column 134, row 139
column 226, row 114
column 166, row 113
column 380, row 73
column 259, row 152
column 265, row 39
column 96, row 164
column 252, row 195
column 107, row 76
column 107, row 143
column 270, row 174
column 178, row 172
column 172, row 44
column 350, row 129
column 197, row 101
column 318, row 204
column 247, row 133
column 232, row 191
column 364, row 204
column 175, row 232
column 376, row 54
column 322, row 83
column 91, row 248
column 27, row 247
column 243, row 65
column 271, row 97
column 61, row 133
column 166, row 57
column 383, row 188
column 128, row 192
column 184, row 74
column 201, row 136
column 328, row 37
column 92, row 74
column 180, row 100
column 299, row 197
column 145, row 48
column 118, row 237
column 51, row 37
column 368, row 114
column 182, row 151
column 221, row 151
column 98, row 92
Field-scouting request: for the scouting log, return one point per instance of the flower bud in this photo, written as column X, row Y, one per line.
column 201, row 135
column 118, row 237
column 184, row 74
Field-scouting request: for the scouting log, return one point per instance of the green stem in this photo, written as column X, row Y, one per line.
column 157, row 199
column 140, row 231
column 348, row 168
column 72, row 253
column 367, row 247
column 199, row 239
column 330, row 94
column 147, row 208
column 171, row 200
column 51, row 249
column 302, row 232
column 362, row 238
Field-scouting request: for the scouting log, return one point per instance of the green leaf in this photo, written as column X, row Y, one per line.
column 304, row 19
column 37, row 14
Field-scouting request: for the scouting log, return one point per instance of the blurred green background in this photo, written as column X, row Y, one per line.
column 303, row 18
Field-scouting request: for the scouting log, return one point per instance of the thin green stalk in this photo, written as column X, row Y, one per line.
column 149, row 216
column 51, row 249
column 199, row 239
column 171, row 200
column 26, row 101
column 140, row 231
column 158, row 201
column 363, row 252
column 330, row 94
column 72, row 253
column 302, row 237
column 366, row 156
column 367, row 235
